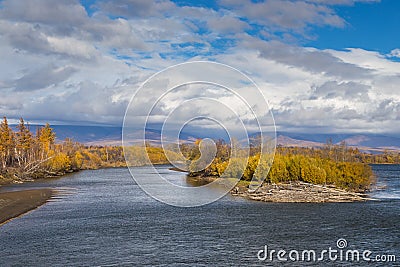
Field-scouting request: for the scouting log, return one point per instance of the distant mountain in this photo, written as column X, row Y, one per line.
column 315, row 137
column 288, row 141
column 104, row 135
column 111, row 135
column 85, row 134
column 376, row 141
column 366, row 142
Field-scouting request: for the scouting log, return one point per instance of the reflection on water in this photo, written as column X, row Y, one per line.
column 197, row 181
column 107, row 219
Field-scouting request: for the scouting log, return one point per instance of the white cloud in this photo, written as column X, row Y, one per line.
column 395, row 53
column 227, row 24
column 71, row 47
column 60, row 63
column 61, row 14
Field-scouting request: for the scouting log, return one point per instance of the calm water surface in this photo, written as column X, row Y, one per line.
column 107, row 220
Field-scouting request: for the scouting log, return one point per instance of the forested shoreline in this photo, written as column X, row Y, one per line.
column 25, row 155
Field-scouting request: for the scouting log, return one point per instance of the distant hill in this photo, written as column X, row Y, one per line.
column 111, row 135
column 85, row 134
column 366, row 142
column 104, row 135
column 288, row 141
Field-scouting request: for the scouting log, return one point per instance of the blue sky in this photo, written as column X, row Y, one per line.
column 324, row 66
column 370, row 26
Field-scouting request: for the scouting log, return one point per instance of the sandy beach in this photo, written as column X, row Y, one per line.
column 14, row 204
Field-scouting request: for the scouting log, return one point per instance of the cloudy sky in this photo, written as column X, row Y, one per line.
column 324, row 66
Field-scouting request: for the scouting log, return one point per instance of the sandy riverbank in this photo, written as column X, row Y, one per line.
column 14, row 204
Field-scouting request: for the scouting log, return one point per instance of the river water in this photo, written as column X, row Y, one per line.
column 107, row 220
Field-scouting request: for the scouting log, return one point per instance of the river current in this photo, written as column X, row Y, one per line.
column 104, row 219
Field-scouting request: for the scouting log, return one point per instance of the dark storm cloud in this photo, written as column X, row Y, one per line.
column 313, row 60
column 42, row 78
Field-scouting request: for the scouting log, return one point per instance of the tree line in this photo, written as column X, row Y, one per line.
column 336, row 165
column 27, row 155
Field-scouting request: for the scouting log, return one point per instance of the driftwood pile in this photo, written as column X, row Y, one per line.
column 299, row 192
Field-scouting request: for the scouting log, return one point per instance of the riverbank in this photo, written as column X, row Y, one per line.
column 15, row 204
column 299, row 192
column 13, row 179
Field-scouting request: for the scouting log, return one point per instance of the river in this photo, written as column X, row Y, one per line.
column 105, row 219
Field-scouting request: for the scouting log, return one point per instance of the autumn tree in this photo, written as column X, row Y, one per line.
column 7, row 143
column 24, row 143
column 46, row 137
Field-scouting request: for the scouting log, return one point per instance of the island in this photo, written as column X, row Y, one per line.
column 333, row 173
